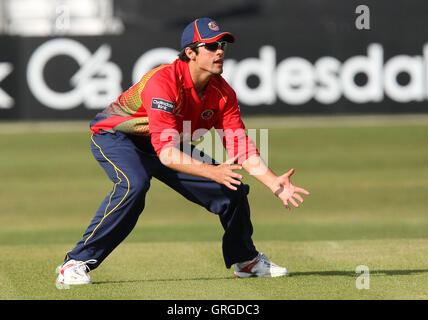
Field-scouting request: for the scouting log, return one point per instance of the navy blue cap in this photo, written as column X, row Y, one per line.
column 204, row 30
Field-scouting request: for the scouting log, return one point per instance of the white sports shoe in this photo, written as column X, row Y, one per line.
column 260, row 266
column 74, row 272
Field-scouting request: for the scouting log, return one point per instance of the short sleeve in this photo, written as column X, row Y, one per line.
column 159, row 101
column 231, row 129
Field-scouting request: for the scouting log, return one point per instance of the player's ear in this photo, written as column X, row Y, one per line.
column 190, row 53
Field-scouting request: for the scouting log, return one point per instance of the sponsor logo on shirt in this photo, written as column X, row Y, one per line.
column 164, row 105
column 207, row 114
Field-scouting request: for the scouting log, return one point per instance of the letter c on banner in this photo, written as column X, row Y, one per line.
column 152, row 59
column 37, row 63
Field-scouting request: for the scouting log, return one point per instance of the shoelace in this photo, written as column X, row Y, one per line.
column 83, row 265
column 262, row 257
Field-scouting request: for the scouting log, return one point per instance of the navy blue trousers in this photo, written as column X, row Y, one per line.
column 131, row 164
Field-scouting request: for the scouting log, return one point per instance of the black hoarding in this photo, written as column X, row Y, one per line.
column 9, row 81
column 290, row 57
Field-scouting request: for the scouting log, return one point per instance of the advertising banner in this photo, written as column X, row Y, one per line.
column 8, row 79
column 290, row 57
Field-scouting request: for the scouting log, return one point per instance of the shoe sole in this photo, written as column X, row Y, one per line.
column 258, row 275
column 61, row 281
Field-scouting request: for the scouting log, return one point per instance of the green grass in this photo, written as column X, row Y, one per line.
column 368, row 178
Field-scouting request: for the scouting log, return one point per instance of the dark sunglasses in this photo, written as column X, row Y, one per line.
column 213, row 46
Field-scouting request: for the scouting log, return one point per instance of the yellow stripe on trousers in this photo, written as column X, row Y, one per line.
column 106, row 214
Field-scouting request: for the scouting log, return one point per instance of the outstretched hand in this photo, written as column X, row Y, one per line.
column 286, row 191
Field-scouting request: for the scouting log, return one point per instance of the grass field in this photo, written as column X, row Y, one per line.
column 368, row 178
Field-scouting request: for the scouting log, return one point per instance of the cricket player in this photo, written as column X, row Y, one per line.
column 142, row 135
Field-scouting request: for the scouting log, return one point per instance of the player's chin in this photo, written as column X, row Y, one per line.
column 217, row 69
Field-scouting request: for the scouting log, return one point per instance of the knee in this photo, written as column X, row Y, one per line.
column 138, row 187
column 136, row 194
column 232, row 199
column 239, row 194
column 135, row 184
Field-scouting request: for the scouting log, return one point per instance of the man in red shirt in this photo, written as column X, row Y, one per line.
column 144, row 134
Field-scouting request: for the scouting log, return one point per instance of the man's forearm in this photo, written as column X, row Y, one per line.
column 177, row 160
column 222, row 173
column 256, row 167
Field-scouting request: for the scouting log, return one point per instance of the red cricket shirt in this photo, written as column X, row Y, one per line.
column 164, row 105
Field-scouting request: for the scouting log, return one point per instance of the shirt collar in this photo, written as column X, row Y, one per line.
column 185, row 72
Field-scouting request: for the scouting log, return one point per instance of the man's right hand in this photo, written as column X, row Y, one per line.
column 224, row 173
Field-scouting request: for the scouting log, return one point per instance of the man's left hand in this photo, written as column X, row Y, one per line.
column 286, row 191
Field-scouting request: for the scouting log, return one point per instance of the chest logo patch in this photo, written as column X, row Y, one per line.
column 164, row 105
column 207, row 114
